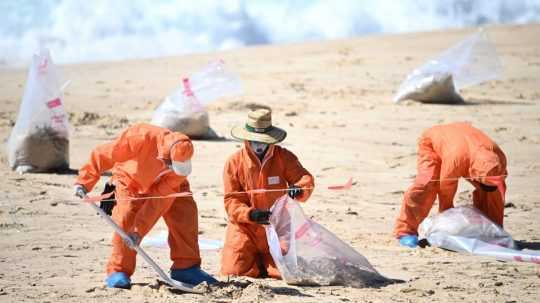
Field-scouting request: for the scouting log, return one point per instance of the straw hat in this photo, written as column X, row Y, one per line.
column 259, row 128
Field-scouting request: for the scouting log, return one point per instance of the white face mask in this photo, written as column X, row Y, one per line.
column 181, row 168
column 258, row 147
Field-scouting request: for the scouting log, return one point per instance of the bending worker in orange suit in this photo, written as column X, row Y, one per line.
column 147, row 161
column 260, row 164
column 446, row 153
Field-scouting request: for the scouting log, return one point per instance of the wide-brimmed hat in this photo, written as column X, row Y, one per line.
column 259, row 128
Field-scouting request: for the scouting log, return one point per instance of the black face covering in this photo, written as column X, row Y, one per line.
column 488, row 188
column 259, row 149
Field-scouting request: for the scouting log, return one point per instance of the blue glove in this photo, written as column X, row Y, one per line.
column 409, row 241
column 118, row 280
column 193, row 275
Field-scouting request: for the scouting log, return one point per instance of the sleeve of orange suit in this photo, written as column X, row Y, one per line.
column 296, row 174
column 236, row 205
column 448, row 183
column 106, row 155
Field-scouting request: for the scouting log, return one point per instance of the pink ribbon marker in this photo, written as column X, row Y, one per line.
column 106, row 197
column 345, row 186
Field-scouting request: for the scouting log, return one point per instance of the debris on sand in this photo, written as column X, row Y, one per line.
column 328, row 271
column 242, row 291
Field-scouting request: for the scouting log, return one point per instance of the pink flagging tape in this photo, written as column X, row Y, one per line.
column 106, row 197
column 345, row 186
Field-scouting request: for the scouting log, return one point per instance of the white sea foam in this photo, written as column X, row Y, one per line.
column 78, row 31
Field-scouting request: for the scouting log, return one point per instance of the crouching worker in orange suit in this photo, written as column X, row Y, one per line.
column 445, row 154
column 259, row 164
column 148, row 161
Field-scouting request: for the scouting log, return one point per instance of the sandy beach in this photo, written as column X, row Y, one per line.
column 335, row 101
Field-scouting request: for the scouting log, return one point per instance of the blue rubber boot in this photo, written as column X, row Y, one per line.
column 118, row 280
column 409, row 241
column 193, row 275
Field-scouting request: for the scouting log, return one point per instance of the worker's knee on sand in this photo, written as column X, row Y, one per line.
column 271, row 268
column 239, row 262
column 249, row 263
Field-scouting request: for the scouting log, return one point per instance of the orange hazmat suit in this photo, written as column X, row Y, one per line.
column 446, row 153
column 246, row 252
column 137, row 160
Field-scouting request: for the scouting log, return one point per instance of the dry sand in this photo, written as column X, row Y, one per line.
column 335, row 100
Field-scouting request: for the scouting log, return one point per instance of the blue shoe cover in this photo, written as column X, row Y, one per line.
column 409, row 241
column 118, row 280
column 193, row 275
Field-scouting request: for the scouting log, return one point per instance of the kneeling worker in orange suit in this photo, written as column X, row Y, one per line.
column 259, row 164
column 445, row 154
column 148, row 161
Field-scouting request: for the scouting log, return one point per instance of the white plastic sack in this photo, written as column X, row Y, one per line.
column 161, row 241
column 184, row 111
column 39, row 140
column 466, row 229
column 470, row 62
column 308, row 254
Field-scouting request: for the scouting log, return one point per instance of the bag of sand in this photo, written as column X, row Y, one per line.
column 470, row 62
column 39, row 141
column 184, row 110
column 466, row 229
column 306, row 253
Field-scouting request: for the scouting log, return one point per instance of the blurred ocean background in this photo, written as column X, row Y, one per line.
column 95, row 30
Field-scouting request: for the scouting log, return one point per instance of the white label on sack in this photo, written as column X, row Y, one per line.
column 273, row 180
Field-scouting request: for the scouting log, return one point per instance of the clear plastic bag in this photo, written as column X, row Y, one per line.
column 466, row 229
column 39, row 140
column 184, row 111
column 470, row 62
column 308, row 254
